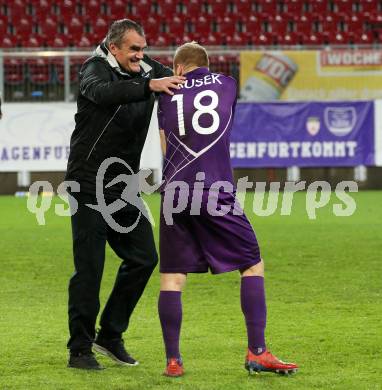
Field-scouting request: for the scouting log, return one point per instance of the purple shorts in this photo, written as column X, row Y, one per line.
column 196, row 243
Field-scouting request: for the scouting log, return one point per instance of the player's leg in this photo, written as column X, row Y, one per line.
column 234, row 247
column 254, row 309
column 139, row 258
column 170, row 314
column 180, row 254
column 253, row 305
column 89, row 240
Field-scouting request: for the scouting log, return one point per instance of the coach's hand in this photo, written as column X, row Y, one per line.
column 165, row 84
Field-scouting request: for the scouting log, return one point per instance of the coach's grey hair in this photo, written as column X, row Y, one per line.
column 118, row 29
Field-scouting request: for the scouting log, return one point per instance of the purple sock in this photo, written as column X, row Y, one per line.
column 170, row 315
column 255, row 311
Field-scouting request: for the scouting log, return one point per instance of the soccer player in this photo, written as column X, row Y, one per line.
column 195, row 124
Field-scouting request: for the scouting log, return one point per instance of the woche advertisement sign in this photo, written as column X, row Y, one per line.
column 311, row 75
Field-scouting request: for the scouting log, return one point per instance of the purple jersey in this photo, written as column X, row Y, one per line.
column 197, row 121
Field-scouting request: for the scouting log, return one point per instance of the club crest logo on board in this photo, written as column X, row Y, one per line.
column 340, row 121
column 313, row 125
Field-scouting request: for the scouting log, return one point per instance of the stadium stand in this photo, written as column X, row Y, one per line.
column 305, row 22
column 81, row 25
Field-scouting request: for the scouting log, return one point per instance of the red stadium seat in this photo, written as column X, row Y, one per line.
column 187, row 37
column 228, row 63
column 39, row 71
column 17, row 9
column 336, row 38
column 67, row 9
column 75, row 27
column 238, row 39
column 330, row 24
column 118, row 9
column 354, row 23
column 100, row 27
column 369, row 6
column 8, row 42
column 378, row 37
column 220, row 38
column 42, row 9
column 167, row 8
column 252, row 25
column 268, row 7
column 84, row 42
column 75, row 67
column 344, row 6
column 34, row 41
column 364, row 38
column 227, row 26
column 210, row 40
column 218, row 8
column 193, row 8
column 320, row 6
column 161, row 41
column 295, row 7
column 289, row 38
column 24, row 27
column 14, row 71
column 177, row 26
column 142, row 9
column 373, row 18
column 202, row 25
column 263, row 39
column 152, row 27
column 49, row 26
column 304, row 25
column 244, row 7
column 279, row 25
column 165, row 60
column 92, row 9
column 3, row 27
column 58, row 41
column 314, row 39
column 59, row 69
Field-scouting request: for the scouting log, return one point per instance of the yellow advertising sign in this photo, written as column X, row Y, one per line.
column 311, row 75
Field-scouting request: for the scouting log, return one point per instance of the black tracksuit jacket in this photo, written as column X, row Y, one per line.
column 112, row 120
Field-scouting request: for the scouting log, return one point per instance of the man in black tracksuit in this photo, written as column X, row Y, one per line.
column 115, row 104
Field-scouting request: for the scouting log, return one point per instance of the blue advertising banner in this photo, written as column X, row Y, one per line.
column 314, row 134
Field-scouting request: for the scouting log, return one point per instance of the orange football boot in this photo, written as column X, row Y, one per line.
column 174, row 368
column 268, row 363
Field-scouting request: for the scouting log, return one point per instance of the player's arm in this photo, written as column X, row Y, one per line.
column 161, row 124
column 163, row 143
column 97, row 85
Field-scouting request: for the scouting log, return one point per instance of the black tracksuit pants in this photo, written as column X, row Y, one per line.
column 139, row 258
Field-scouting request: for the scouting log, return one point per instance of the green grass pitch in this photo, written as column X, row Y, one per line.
column 323, row 281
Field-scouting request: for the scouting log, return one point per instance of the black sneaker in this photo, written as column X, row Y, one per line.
column 115, row 349
column 85, row 361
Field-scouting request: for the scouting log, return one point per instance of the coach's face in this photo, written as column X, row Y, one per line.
column 130, row 51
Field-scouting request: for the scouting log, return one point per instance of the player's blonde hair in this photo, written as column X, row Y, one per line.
column 191, row 54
